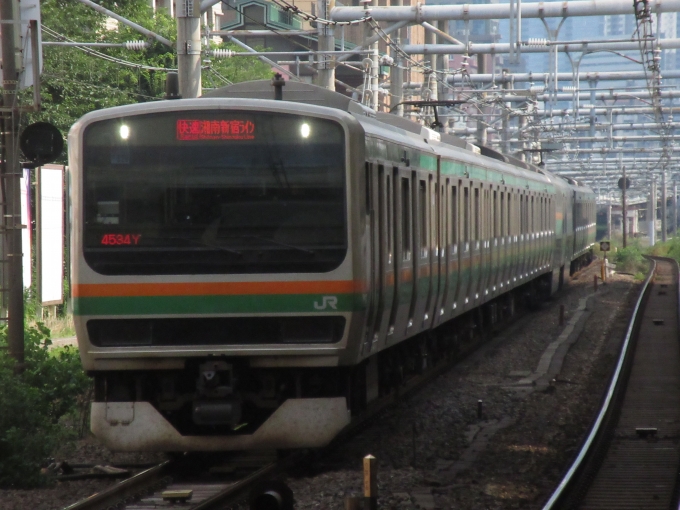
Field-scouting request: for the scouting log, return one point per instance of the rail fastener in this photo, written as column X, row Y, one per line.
column 645, row 432
column 177, row 496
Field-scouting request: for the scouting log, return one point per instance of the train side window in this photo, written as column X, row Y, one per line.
column 495, row 214
column 466, row 215
column 388, row 215
column 475, row 217
column 502, row 232
column 509, row 214
column 367, row 183
column 422, row 202
column 406, row 217
column 532, row 216
column 454, row 215
column 521, row 214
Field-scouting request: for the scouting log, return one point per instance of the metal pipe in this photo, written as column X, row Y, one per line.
column 419, row 12
column 260, row 33
column 505, row 48
column 566, row 77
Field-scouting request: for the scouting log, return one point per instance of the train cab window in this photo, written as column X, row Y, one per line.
column 406, row 217
column 214, row 191
column 422, row 203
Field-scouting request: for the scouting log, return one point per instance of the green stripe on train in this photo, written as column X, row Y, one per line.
column 182, row 305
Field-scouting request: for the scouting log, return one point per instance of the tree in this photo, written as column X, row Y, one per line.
column 76, row 81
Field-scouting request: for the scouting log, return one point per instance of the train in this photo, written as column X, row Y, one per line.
column 252, row 268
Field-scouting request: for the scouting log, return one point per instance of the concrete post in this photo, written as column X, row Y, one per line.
column 326, row 43
column 189, row 48
column 397, row 73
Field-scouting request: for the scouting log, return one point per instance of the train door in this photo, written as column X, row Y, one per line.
column 495, row 245
column 511, row 269
column 475, row 244
column 443, row 244
column 465, row 257
column 385, row 216
column 403, row 254
column 422, row 261
column 375, row 273
column 502, row 240
column 450, row 248
column 485, row 243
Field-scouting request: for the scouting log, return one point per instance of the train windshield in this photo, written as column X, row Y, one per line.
column 214, row 191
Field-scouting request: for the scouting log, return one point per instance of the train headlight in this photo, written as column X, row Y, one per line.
column 305, row 130
column 124, row 131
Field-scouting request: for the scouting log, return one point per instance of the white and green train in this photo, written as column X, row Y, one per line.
column 249, row 272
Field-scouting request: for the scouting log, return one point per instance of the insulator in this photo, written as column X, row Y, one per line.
column 537, row 41
column 386, row 60
column 136, row 45
column 222, row 53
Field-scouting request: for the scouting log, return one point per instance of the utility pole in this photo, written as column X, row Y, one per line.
column 189, row 48
column 326, row 43
column 396, row 72
column 10, row 174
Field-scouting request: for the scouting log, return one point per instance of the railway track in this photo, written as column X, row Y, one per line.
column 630, row 460
column 185, row 481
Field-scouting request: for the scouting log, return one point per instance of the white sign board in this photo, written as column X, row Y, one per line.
column 50, row 234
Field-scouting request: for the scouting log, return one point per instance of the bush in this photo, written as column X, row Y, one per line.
column 36, row 404
column 630, row 260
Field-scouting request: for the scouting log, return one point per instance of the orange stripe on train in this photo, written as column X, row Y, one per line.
column 217, row 288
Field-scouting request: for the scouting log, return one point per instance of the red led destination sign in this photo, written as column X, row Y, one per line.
column 192, row 129
column 120, row 239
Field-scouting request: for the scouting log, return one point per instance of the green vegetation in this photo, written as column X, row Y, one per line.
column 630, row 259
column 40, row 408
column 77, row 81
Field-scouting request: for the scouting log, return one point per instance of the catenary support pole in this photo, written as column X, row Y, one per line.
column 624, row 211
column 11, row 173
column 664, row 223
column 326, row 43
column 189, row 48
column 396, row 72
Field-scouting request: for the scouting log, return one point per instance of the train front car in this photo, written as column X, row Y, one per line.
column 213, row 272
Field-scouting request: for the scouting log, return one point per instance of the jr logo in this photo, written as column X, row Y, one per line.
column 327, row 301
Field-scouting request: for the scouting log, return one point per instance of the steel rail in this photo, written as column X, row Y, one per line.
column 596, row 429
column 125, row 489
